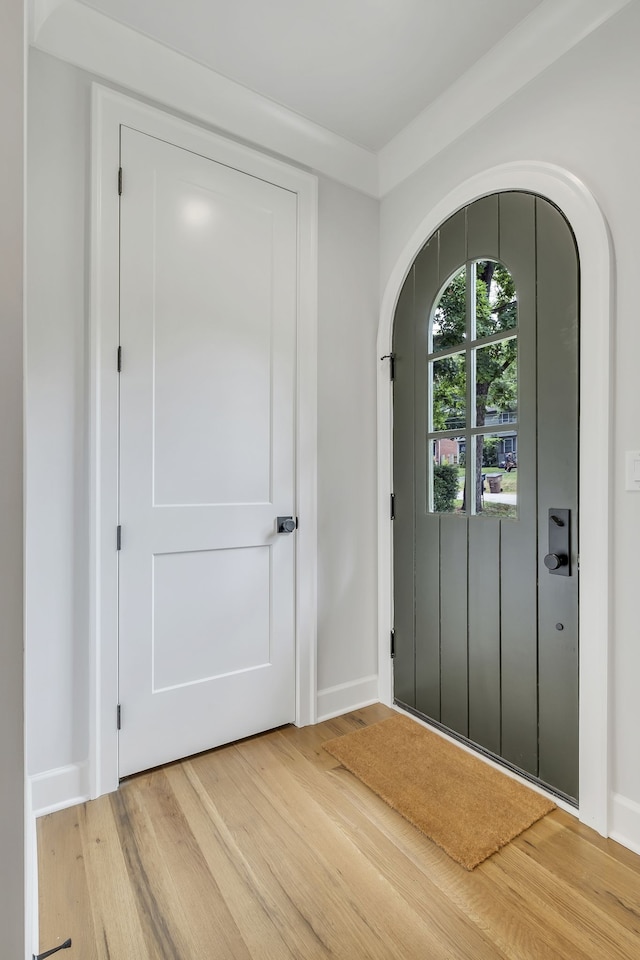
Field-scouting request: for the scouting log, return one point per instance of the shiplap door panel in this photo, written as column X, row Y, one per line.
column 486, row 638
column 207, row 420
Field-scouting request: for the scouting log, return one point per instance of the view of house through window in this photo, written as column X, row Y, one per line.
column 472, row 369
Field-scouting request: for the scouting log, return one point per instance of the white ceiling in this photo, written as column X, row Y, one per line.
column 361, row 68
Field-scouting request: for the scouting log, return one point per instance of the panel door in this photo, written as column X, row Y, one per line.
column 207, row 405
column 485, row 456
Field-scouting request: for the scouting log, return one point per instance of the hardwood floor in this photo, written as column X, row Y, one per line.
column 269, row 849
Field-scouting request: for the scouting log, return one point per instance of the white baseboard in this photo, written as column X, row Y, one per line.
column 56, row 789
column 333, row 701
column 625, row 822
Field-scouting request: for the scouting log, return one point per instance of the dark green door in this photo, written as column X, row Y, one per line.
column 486, row 485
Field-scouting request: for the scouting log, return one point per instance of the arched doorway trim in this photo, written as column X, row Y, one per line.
column 573, row 198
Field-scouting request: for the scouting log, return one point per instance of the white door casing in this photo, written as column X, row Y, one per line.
column 207, row 404
column 579, row 207
column 186, row 477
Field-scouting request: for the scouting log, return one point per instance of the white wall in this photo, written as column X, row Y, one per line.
column 582, row 115
column 12, row 795
column 57, row 430
column 347, row 544
column 57, row 416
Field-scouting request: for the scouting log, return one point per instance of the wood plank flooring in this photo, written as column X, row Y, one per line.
column 269, row 849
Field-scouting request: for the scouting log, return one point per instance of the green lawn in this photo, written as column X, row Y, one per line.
column 505, row 510
column 509, row 480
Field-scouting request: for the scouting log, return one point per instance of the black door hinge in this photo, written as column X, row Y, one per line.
column 119, row 717
column 119, row 361
column 393, row 506
column 391, row 357
column 393, row 644
column 118, row 537
column 120, row 182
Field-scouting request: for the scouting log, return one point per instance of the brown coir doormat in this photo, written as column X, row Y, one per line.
column 466, row 806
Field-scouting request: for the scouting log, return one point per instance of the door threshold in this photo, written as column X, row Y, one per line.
column 566, row 803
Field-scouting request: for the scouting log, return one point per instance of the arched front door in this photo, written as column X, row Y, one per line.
column 486, row 485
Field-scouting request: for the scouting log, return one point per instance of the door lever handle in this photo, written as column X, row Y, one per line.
column 286, row 524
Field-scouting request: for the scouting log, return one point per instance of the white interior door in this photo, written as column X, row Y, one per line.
column 207, row 426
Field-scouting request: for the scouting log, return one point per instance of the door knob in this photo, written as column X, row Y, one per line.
column 553, row 561
column 286, row 524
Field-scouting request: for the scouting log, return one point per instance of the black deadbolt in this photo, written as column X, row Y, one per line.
column 558, row 559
